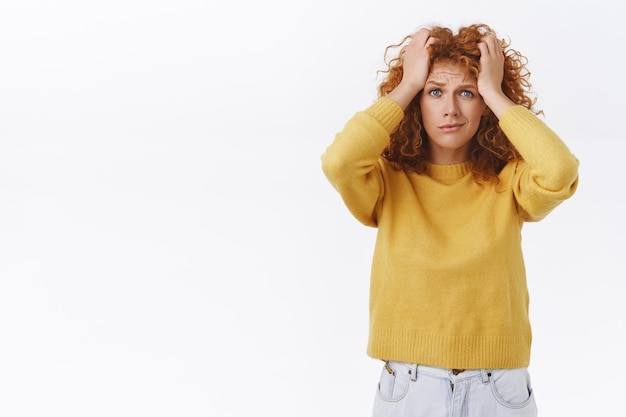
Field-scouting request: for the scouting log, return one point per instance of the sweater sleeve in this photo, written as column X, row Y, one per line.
column 351, row 162
column 548, row 174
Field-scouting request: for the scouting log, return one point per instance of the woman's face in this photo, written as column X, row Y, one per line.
column 451, row 111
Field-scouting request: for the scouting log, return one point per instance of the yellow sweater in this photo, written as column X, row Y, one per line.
column 448, row 283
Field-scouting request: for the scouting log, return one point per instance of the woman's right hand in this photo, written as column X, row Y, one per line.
column 416, row 67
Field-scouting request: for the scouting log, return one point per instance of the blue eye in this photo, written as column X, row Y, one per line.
column 467, row 93
column 435, row 92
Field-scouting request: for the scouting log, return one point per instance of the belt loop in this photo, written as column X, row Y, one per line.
column 485, row 376
column 413, row 372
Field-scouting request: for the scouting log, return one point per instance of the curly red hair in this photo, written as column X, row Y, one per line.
column 490, row 149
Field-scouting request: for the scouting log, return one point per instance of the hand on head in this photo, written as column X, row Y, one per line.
column 417, row 59
column 491, row 66
column 491, row 75
column 415, row 68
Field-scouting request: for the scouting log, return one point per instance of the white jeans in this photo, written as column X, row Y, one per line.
column 422, row 391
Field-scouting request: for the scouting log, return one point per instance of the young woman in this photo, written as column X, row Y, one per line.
column 448, row 163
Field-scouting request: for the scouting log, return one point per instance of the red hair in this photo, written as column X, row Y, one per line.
column 490, row 149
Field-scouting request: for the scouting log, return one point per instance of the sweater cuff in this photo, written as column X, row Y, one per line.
column 387, row 112
column 518, row 117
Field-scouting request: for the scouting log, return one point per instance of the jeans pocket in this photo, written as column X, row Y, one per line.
column 394, row 382
column 511, row 387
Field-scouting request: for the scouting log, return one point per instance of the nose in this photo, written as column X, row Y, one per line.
column 451, row 108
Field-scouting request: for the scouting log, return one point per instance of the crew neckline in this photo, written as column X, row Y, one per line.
column 453, row 171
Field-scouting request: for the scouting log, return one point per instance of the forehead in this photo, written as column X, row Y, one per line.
column 447, row 71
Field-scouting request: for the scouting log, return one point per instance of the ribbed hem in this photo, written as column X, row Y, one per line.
column 462, row 352
column 387, row 112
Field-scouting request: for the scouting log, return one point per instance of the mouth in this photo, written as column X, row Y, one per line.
column 452, row 127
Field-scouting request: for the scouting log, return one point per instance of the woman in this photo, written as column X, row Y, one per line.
column 448, row 164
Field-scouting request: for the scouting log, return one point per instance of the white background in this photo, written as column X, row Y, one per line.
column 170, row 247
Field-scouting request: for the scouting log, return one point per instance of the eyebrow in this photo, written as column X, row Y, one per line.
column 462, row 86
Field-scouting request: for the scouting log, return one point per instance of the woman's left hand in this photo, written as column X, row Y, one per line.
column 491, row 66
column 491, row 75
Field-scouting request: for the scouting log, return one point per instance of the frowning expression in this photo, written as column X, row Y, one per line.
column 451, row 111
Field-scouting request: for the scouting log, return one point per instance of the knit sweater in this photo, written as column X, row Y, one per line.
column 448, row 282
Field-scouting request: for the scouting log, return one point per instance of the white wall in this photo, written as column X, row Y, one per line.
column 170, row 247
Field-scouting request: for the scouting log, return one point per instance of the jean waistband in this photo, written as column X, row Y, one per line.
column 451, row 374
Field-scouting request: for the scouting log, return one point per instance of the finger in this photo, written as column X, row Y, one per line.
column 484, row 45
column 492, row 44
column 483, row 48
column 431, row 40
column 420, row 37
